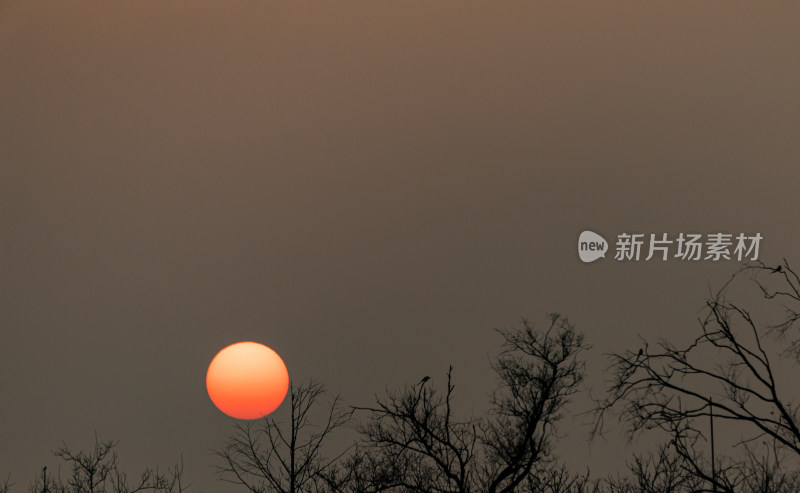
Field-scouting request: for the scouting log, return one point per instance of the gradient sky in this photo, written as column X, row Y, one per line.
column 369, row 188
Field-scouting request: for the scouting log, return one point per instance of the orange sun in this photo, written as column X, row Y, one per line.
column 247, row 380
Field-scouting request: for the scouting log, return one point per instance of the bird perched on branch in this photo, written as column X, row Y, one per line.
column 424, row 379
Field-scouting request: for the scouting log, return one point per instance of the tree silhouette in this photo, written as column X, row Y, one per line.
column 98, row 471
column 416, row 443
column 728, row 374
column 269, row 455
column 656, row 471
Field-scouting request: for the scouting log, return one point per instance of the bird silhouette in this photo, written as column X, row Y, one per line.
column 776, row 269
column 424, row 379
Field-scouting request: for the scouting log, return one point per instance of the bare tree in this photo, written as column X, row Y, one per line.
column 98, row 471
column 728, row 374
column 557, row 478
column 288, row 457
column 675, row 469
column 416, row 442
column 656, row 471
column 765, row 471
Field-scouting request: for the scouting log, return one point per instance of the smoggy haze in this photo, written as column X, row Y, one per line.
column 367, row 187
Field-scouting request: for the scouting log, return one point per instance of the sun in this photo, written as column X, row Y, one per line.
column 247, row 380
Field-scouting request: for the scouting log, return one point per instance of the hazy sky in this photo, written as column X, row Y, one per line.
column 369, row 188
